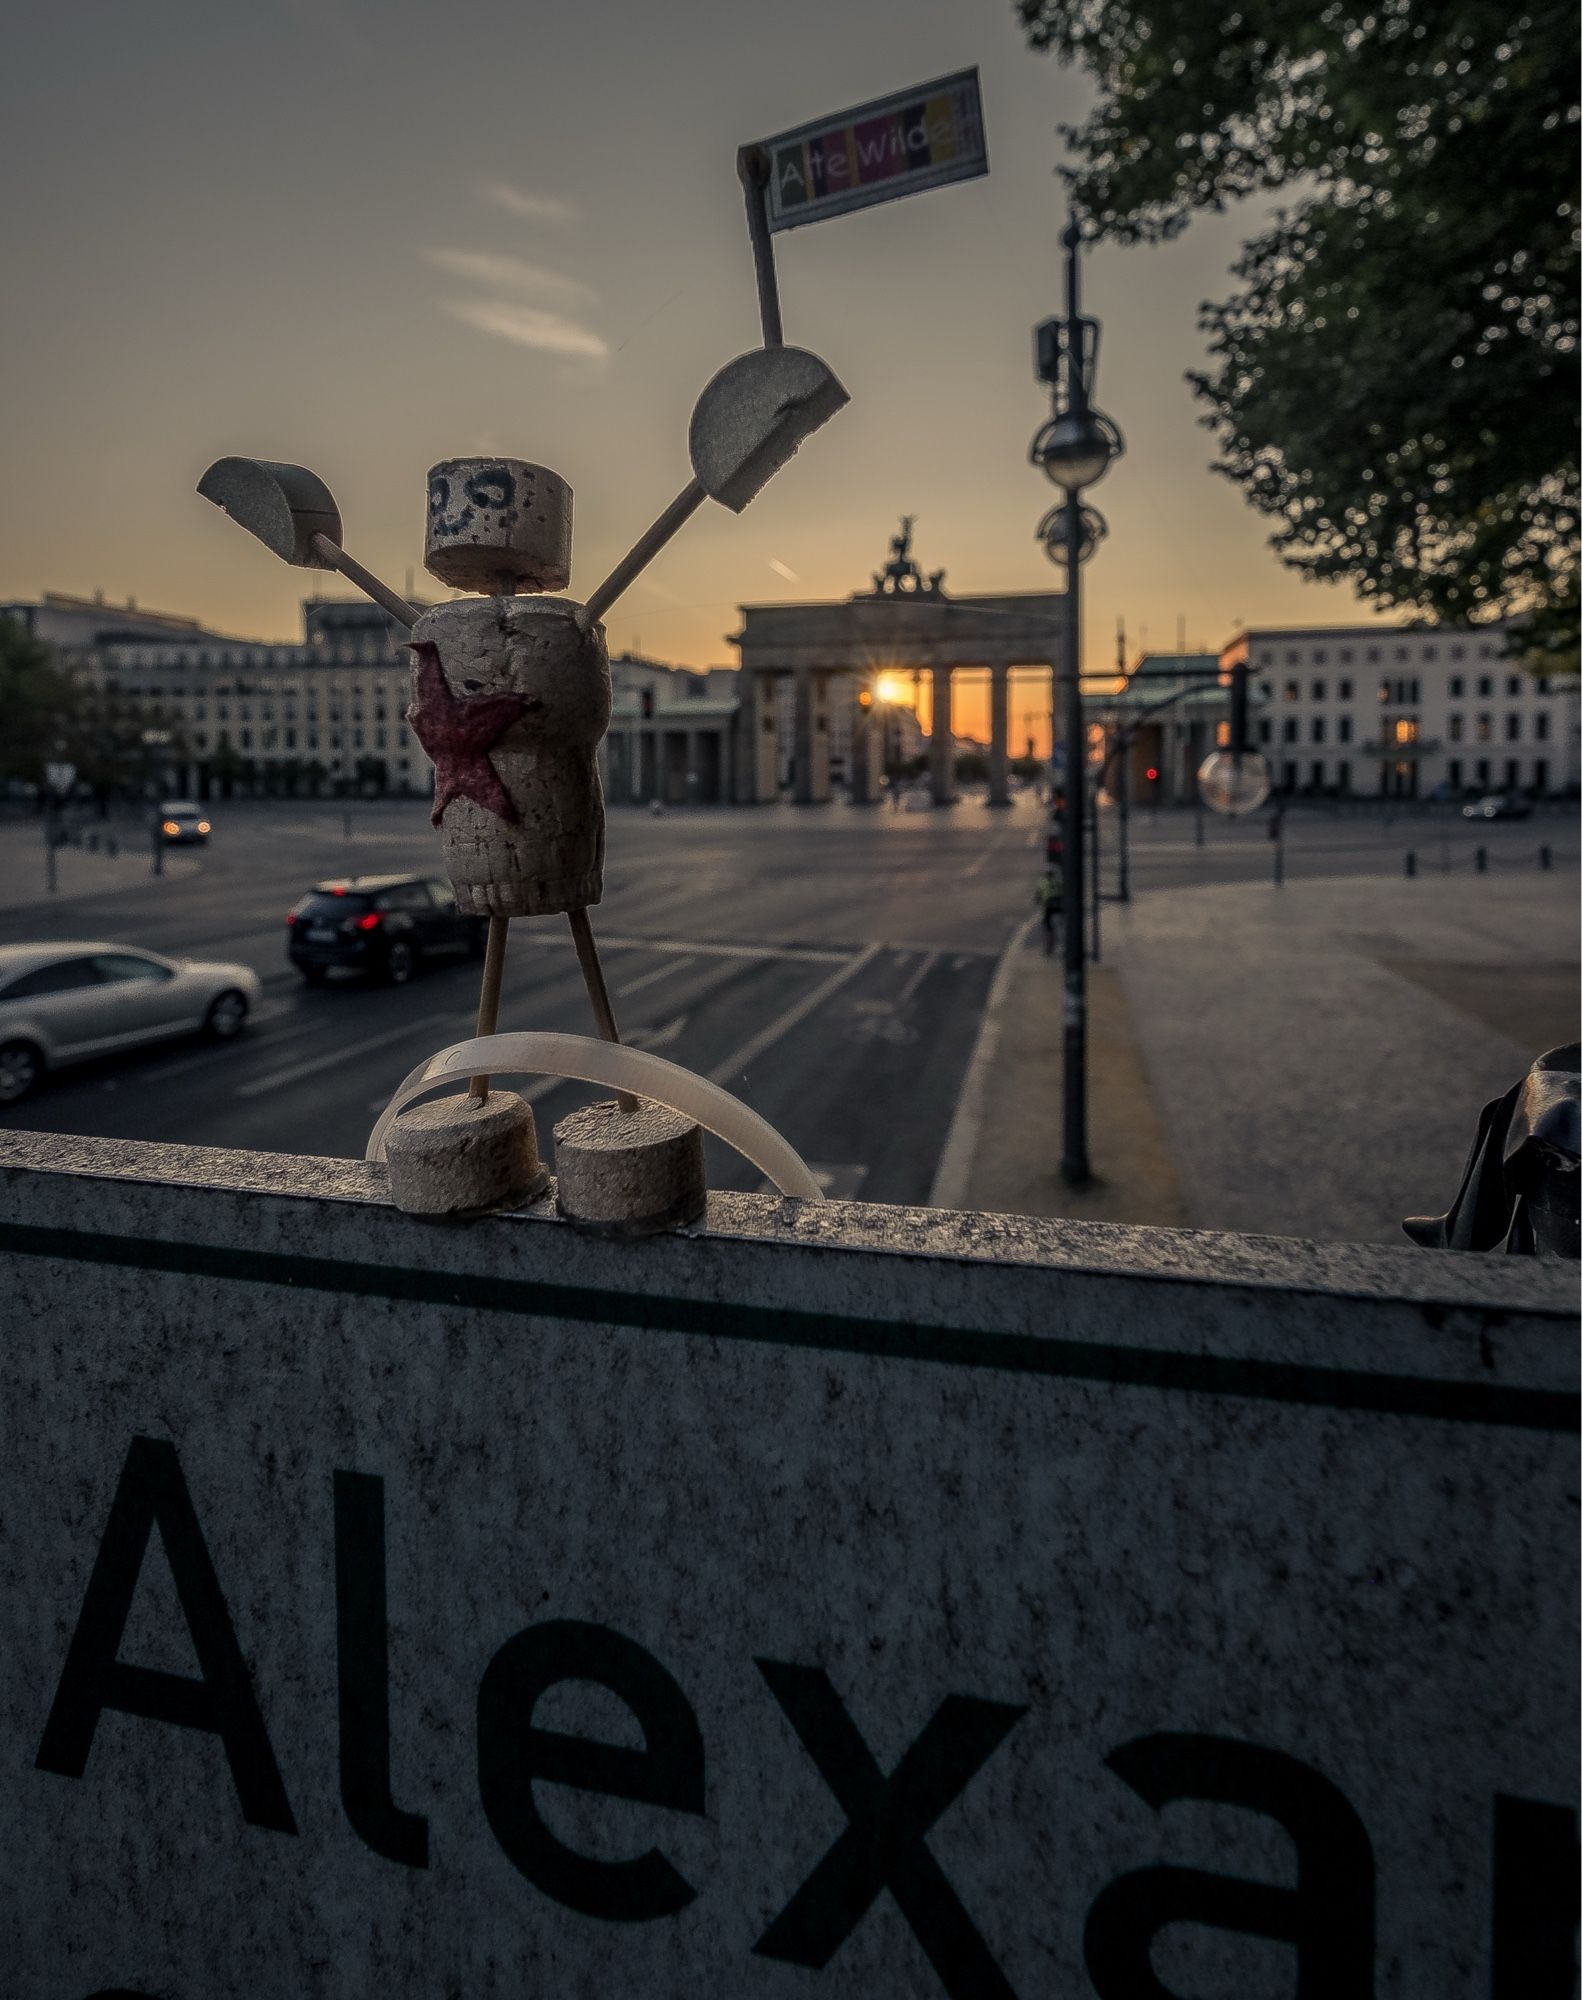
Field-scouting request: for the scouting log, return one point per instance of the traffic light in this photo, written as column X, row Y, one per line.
column 1152, row 774
column 1054, row 848
column 865, row 697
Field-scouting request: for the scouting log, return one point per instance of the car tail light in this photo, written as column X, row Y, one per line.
column 291, row 917
column 171, row 826
column 369, row 923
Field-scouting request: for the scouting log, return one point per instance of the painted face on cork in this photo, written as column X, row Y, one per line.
column 486, row 497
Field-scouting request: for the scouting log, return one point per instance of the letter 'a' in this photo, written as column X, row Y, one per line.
column 152, row 1491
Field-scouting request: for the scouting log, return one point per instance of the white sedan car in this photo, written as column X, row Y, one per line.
column 63, row 1003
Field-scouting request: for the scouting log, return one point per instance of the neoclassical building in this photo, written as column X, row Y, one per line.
column 816, row 657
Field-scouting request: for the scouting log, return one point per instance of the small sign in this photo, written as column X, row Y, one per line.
column 919, row 138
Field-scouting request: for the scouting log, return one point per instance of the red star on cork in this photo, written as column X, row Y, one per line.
column 458, row 736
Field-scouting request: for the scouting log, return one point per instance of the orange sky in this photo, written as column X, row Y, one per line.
column 337, row 234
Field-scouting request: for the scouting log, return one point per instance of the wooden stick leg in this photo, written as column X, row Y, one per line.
column 598, row 992
column 489, row 994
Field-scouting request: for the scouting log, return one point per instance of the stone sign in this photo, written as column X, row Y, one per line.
column 835, row 1600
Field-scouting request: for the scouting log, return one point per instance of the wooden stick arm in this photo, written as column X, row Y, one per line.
column 365, row 580
column 642, row 552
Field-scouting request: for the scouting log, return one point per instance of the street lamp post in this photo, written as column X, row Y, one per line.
column 1074, row 449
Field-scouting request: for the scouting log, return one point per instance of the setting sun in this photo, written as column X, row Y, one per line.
column 892, row 687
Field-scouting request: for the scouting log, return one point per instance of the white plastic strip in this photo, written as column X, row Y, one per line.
column 617, row 1067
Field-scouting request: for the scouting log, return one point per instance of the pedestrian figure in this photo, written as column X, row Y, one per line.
column 1050, row 896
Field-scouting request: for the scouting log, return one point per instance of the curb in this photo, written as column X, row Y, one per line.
column 966, row 1125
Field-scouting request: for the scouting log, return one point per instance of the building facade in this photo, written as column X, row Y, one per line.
column 328, row 714
column 1405, row 712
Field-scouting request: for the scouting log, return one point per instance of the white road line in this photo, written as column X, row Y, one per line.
column 930, row 960
column 966, row 1125
column 346, row 1052
column 793, row 1017
column 648, row 978
column 803, row 954
column 976, row 867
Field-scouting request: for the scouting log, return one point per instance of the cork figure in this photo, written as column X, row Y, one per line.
column 511, row 696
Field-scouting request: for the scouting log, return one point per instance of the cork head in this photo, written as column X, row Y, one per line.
column 498, row 524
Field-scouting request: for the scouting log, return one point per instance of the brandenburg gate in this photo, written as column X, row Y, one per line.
column 906, row 623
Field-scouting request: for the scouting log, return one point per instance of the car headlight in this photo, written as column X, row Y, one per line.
column 204, row 826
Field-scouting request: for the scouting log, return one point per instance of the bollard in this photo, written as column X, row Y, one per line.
column 1545, row 858
column 1480, row 860
column 1411, row 864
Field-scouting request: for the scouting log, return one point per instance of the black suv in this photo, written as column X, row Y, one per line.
column 383, row 924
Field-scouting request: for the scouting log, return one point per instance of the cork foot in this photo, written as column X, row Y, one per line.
column 629, row 1173
column 465, row 1155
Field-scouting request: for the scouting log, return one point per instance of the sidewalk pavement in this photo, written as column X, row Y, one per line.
column 1306, row 1061
column 79, row 871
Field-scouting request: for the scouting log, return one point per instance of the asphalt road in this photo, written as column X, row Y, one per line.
column 828, row 966
column 829, row 969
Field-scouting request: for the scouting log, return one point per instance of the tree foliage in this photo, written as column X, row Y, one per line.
column 52, row 714
column 1394, row 384
column 38, row 702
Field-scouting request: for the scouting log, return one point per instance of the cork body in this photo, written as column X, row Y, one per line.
column 511, row 700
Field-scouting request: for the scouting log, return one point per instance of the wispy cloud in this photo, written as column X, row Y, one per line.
column 507, row 273
column 530, row 326
column 533, row 207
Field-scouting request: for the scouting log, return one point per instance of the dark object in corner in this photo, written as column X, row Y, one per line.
column 1520, row 1191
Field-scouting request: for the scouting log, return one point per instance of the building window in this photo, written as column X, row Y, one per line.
column 1513, row 729
column 1513, row 774
column 1405, row 731
column 1319, row 656
column 247, row 739
column 1417, row 691
column 1318, row 729
column 1287, row 734
column 1343, row 690
column 1343, row 775
column 1384, row 690
column 1400, row 652
column 291, row 739
column 1457, row 687
column 1513, row 684
column 1485, row 686
column 1292, row 656
column 1455, row 729
column 1485, row 728
column 1343, row 729
column 1293, row 692
column 1344, row 656
column 1430, row 652
column 1265, row 729
column 1483, row 774
column 1541, row 727
column 1318, row 775
column 1456, row 652
column 1373, row 656
column 1320, row 691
